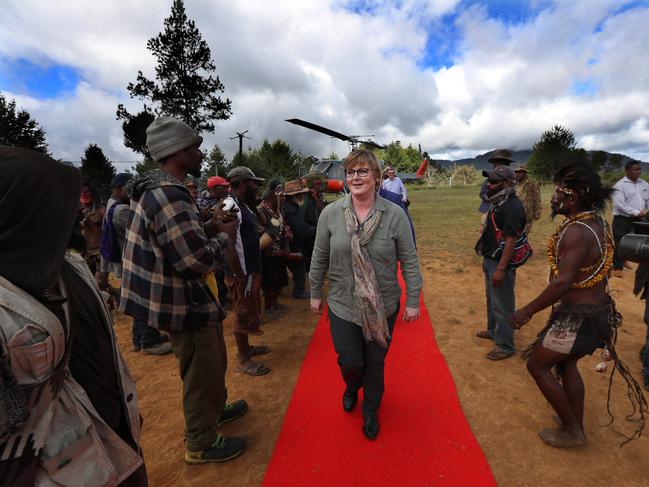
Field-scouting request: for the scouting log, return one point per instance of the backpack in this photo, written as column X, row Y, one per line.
column 109, row 248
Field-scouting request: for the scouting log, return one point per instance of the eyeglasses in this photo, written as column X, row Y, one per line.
column 362, row 172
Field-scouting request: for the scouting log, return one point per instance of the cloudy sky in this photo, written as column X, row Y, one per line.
column 459, row 77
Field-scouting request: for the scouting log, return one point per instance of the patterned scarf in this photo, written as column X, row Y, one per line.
column 374, row 323
column 499, row 198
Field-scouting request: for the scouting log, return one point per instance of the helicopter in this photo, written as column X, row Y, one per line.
column 333, row 168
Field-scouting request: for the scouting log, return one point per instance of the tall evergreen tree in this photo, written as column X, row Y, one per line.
column 215, row 164
column 554, row 149
column 184, row 86
column 97, row 170
column 18, row 128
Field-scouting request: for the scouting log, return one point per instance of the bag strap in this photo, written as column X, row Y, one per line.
column 493, row 220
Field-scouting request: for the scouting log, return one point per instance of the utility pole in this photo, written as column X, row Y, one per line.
column 240, row 136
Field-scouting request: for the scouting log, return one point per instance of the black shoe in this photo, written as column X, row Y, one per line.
column 161, row 348
column 349, row 400
column 302, row 295
column 371, row 426
column 222, row 450
column 233, row 410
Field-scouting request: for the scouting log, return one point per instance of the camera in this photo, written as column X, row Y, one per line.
column 635, row 246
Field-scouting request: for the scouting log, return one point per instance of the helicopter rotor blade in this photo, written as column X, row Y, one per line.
column 371, row 144
column 318, row 128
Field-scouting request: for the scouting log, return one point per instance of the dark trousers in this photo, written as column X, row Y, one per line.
column 645, row 354
column 144, row 335
column 501, row 303
column 202, row 361
column 361, row 363
column 299, row 277
column 621, row 226
column 222, row 287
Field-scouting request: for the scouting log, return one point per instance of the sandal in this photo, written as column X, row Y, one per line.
column 258, row 350
column 483, row 334
column 498, row 354
column 253, row 368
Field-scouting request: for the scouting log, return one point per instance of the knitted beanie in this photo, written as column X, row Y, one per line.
column 166, row 136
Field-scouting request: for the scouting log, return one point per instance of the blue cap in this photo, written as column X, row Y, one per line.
column 120, row 180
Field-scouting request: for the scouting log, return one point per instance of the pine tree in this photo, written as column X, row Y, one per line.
column 555, row 148
column 134, row 128
column 97, row 170
column 184, row 86
column 19, row 128
column 215, row 163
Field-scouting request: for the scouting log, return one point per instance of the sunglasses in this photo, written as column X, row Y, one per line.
column 494, row 181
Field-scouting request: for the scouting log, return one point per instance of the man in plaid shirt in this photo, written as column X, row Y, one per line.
column 167, row 252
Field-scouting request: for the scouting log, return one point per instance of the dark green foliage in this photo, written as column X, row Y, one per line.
column 598, row 159
column 615, row 163
column 145, row 165
column 134, row 128
column 97, row 170
column 403, row 159
column 215, row 164
column 554, row 149
column 272, row 159
column 184, row 86
column 19, row 129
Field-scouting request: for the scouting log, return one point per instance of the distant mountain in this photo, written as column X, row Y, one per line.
column 481, row 162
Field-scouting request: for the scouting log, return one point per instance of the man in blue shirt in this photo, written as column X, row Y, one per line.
column 394, row 184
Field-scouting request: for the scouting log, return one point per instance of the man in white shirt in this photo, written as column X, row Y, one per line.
column 394, row 184
column 630, row 203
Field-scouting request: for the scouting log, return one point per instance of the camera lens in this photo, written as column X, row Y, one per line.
column 635, row 247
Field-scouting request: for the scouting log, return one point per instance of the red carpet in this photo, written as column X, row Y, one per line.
column 424, row 439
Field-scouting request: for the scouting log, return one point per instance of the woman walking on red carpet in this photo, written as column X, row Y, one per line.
column 359, row 240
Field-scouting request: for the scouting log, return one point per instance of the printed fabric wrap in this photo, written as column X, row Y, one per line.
column 522, row 248
column 374, row 322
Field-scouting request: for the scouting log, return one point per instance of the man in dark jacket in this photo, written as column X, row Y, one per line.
column 506, row 216
column 303, row 234
column 167, row 253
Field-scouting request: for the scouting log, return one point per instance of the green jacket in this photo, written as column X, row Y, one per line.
column 530, row 195
column 391, row 242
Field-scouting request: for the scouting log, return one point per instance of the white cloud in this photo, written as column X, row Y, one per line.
column 353, row 72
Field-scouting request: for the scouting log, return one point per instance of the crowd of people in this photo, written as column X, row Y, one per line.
column 68, row 408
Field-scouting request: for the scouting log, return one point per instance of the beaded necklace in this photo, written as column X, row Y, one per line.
column 598, row 270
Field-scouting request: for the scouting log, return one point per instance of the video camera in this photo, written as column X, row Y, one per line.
column 635, row 246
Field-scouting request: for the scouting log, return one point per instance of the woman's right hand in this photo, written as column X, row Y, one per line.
column 316, row 306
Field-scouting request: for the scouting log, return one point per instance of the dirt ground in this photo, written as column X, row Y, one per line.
column 500, row 400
